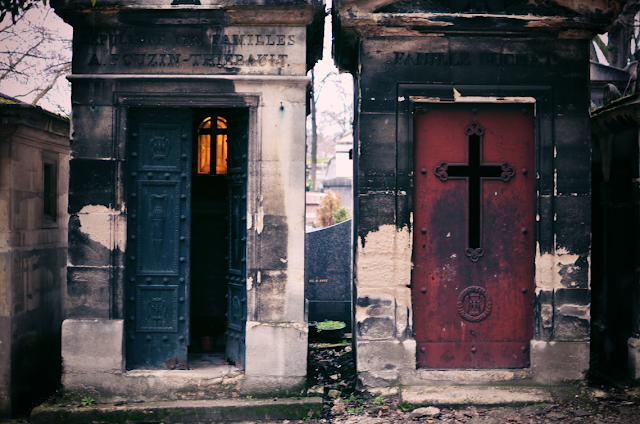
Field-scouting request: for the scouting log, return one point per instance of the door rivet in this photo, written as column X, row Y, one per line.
column 473, row 349
column 165, row 338
column 423, row 349
column 181, row 338
column 132, row 299
column 474, row 111
column 423, row 230
column 150, row 175
column 148, row 338
column 148, row 279
column 132, row 318
column 133, row 258
column 166, row 280
column 181, row 319
column 524, row 290
column 181, row 299
column 182, row 238
column 184, row 156
column 134, row 174
column 523, row 348
column 167, row 175
column 423, row 289
column 181, row 280
column 182, row 217
column 423, row 171
column 524, row 171
column 181, row 259
column 524, row 230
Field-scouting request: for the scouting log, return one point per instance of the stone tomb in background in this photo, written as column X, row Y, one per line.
column 328, row 273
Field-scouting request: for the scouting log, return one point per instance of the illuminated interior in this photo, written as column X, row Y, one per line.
column 217, row 155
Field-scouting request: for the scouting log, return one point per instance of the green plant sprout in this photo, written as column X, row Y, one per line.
column 329, row 325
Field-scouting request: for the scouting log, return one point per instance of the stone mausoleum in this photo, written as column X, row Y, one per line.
column 186, row 195
column 472, row 191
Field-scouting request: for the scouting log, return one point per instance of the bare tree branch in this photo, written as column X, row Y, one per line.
column 35, row 53
column 48, row 88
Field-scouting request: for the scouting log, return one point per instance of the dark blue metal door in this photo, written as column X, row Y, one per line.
column 237, row 259
column 158, row 201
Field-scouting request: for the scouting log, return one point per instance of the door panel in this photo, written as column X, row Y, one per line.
column 237, row 259
column 158, row 238
column 473, row 278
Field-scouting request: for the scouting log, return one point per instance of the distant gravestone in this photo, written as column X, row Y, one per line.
column 328, row 273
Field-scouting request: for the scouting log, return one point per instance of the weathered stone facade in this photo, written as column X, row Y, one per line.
column 225, row 57
column 34, row 153
column 408, row 56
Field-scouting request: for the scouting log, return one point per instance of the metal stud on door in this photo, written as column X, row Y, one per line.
column 474, row 264
column 157, row 290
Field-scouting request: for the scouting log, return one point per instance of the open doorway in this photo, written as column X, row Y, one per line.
column 186, row 290
column 209, row 231
column 218, row 208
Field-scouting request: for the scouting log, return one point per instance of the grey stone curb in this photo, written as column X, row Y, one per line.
column 184, row 411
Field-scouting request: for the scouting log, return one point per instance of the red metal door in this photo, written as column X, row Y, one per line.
column 473, row 277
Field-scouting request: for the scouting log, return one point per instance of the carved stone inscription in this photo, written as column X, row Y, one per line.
column 190, row 50
column 409, row 58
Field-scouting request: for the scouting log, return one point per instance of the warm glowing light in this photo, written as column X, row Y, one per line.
column 204, row 147
column 221, row 148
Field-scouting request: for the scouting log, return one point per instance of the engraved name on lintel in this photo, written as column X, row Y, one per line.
column 406, row 58
column 199, row 50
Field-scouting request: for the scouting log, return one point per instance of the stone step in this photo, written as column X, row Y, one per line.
column 182, row 411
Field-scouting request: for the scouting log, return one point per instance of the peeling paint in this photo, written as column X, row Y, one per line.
column 553, row 270
column 260, row 220
column 385, row 260
column 99, row 223
column 489, row 99
column 249, row 221
column 249, row 283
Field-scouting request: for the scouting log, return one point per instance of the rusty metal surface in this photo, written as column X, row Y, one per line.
column 473, row 281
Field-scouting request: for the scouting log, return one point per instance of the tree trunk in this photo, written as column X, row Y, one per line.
column 314, row 134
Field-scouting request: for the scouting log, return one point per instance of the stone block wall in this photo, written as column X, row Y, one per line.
column 33, row 254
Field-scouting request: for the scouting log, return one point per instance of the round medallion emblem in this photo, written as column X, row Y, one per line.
column 474, row 304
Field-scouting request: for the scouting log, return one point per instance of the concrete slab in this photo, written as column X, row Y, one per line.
column 195, row 411
column 475, row 395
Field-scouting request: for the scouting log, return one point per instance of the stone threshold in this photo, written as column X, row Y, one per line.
column 475, row 395
column 182, row 411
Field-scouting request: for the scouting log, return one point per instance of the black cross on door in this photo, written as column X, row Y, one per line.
column 475, row 171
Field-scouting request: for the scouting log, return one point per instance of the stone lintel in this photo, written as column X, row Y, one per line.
column 113, row 15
